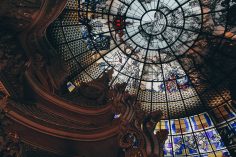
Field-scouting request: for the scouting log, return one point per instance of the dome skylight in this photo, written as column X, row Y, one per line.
column 161, row 49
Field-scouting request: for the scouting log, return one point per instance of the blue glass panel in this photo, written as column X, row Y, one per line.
column 190, row 144
column 209, row 122
column 179, row 148
column 187, row 125
column 167, row 125
column 233, row 125
column 168, row 147
column 215, row 139
column 194, row 124
column 173, row 127
column 202, row 142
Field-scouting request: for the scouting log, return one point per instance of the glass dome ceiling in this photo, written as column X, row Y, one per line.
column 175, row 55
column 157, row 47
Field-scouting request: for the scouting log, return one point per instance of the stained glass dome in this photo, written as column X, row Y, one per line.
column 174, row 56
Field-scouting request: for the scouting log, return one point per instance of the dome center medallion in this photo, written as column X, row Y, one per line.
column 153, row 22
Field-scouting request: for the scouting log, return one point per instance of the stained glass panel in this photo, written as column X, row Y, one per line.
column 163, row 50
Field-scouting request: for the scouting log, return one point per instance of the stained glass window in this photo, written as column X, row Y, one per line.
column 154, row 46
column 192, row 136
column 174, row 55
